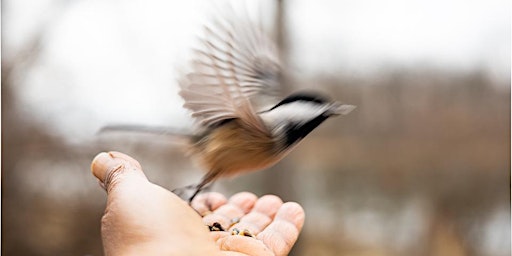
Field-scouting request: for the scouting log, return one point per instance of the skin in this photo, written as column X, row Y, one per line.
column 142, row 218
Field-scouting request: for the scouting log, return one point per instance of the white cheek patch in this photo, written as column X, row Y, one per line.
column 295, row 112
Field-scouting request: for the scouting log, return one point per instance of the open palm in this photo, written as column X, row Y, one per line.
column 273, row 224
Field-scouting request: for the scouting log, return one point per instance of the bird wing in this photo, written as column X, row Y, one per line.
column 234, row 68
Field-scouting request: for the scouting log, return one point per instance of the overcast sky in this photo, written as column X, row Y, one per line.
column 109, row 61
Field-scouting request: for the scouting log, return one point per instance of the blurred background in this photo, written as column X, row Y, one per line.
column 421, row 167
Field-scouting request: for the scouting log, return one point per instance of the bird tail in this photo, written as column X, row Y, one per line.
column 178, row 136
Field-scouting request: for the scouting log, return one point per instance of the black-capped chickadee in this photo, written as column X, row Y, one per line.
column 231, row 92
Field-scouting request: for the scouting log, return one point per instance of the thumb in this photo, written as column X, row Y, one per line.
column 110, row 168
column 142, row 218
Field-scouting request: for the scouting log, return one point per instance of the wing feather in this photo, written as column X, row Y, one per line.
column 236, row 65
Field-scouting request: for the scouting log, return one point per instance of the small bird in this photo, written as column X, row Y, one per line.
column 231, row 91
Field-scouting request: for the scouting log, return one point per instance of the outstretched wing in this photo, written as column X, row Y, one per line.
column 235, row 67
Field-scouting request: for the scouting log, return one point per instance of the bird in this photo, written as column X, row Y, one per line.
column 232, row 90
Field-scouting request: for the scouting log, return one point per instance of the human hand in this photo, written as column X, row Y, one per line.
column 142, row 218
column 272, row 226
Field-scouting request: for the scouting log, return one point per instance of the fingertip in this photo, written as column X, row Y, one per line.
column 268, row 204
column 244, row 200
column 125, row 157
column 208, row 202
column 271, row 199
column 99, row 165
column 283, row 232
column 293, row 213
column 239, row 245
column 108, row 166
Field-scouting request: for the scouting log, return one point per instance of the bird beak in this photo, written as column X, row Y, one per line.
column 337, row 108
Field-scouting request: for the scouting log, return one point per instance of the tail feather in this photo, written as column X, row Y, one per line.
column 158, row 130
column 179, row 135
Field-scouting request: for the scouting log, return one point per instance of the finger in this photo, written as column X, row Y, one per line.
column 283, row 232
column 261, row 215
column 205, row 203
column 244, row 245
column 139, row 211
column 244, row 200
column 109, row 167
column 218, row 235
column 231, row 212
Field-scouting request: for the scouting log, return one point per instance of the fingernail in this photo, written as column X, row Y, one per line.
column 108, row 167
column 125, row 157
column 102, row 163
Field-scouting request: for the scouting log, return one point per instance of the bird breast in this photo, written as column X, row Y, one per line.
column 235, row 148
